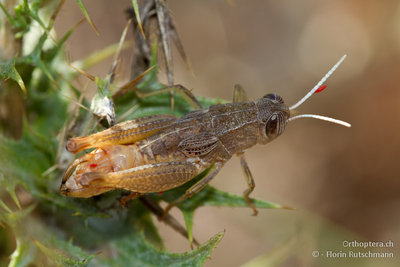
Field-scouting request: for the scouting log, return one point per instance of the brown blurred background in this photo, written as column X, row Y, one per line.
column 343, row 183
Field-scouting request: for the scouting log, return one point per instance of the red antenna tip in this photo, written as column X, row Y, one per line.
column 320, row 89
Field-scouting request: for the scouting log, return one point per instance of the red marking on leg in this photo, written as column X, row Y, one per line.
column 93, row 165
column 159, row 193
column 320, row 89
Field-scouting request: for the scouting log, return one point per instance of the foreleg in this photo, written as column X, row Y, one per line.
column 239, row 95
column 250, row 182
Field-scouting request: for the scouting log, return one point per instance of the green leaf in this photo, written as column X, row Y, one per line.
column 5, row 207
column 8, row 15
column 23, row 254
column 98, row 56
column 139, row 21
column 64, row 253
column 133, row 250
column 24, row 163
column 84, row 11
column 9, row 186
column 188, row 216
column 209, row 196
column 24, row 251
column 8, row 71
column 44, row 237
column 20, row 21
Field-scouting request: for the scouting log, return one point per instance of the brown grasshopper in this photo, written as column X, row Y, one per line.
column 161, row 152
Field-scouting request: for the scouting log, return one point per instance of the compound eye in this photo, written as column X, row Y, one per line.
column 275, row 125
column 274, row 97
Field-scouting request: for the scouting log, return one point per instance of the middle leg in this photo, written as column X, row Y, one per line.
column 197, row 187
column 250, row 182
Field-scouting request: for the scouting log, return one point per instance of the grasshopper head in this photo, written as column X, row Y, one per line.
column 273, row 114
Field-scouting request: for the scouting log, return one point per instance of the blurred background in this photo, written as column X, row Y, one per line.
column 343, row 183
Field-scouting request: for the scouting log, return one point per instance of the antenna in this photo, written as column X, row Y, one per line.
column 318, row 85
column 317, row 88
column 319, row 117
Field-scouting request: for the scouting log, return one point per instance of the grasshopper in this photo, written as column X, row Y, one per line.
column 160, row 152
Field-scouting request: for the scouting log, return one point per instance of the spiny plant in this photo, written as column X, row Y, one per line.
column 40, row 109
